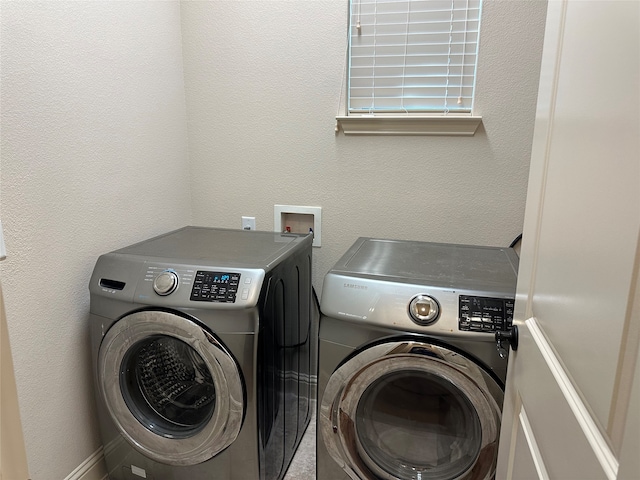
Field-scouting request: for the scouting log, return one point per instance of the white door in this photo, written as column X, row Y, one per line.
column 571, row 405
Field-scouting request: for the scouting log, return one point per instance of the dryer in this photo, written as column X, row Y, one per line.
column 201, row 344
column 410, row 382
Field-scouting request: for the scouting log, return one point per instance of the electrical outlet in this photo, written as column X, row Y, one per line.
column 248, row 223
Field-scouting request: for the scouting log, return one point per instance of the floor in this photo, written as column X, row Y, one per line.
column 303, row 465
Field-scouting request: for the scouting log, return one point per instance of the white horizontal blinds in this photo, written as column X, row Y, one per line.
column 411, row 56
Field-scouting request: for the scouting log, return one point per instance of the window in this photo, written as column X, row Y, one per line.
column 412, row 64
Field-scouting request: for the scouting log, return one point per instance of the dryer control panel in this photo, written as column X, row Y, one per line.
column 485, row 314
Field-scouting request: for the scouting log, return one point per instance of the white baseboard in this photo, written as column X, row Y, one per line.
column 93, row 468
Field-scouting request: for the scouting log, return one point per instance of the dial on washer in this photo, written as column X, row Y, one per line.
column 165, row 283
column 424, row 310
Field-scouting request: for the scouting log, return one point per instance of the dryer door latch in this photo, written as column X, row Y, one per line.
column 510, row 336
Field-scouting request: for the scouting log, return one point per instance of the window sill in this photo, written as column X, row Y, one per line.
column 408, row 125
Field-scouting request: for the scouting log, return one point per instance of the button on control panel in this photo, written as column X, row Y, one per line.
column 217, row 287
column 485, row 314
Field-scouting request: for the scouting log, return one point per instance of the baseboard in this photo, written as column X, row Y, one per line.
column 93, row 468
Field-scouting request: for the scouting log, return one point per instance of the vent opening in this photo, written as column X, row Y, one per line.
column 113, row 284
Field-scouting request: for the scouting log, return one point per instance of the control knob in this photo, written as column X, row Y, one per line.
column 424, row 309
column 165, row 283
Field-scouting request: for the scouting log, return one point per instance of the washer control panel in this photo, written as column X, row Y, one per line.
column 216, row 287
column 485, row 314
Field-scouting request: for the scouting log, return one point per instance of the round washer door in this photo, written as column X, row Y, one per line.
column 411, row 410
column 171, row 388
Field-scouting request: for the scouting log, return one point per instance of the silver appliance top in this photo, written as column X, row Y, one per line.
column 217, row 246
column 208, row 268
column 434, row 288
column 431, row 264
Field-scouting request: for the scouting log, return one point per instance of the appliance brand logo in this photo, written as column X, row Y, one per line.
column 354, row 286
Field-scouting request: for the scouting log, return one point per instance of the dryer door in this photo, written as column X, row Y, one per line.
column 412, row 410
column 172, row 389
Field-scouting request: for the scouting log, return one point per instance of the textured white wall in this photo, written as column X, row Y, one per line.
column 263, row 82
column 94, row 157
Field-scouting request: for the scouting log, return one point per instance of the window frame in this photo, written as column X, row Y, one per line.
column 423, row 123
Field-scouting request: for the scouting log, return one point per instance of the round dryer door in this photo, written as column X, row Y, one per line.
column 172, row 389
column 411, row 410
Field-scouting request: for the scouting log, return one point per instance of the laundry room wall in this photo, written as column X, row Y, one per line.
column 94, row 157
column 263, row 86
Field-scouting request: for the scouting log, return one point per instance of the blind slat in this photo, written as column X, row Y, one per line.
column 413, row 55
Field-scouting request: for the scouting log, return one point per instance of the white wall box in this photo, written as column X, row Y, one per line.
column 298, row 219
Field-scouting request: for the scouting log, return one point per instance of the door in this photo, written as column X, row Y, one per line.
column 13, row 456
column 171, row 388
column 411, row 410
column 571, row 403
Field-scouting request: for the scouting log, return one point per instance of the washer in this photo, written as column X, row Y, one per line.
column 410, row 382
column 201, row 343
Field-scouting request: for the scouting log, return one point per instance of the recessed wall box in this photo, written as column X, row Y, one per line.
column 299, row 219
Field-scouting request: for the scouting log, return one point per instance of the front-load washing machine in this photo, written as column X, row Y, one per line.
column 201, row 343
column 410, row 382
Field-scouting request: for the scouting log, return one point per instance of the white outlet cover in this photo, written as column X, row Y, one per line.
column 248, row 223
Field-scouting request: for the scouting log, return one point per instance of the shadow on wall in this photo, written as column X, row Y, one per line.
column 13, row 456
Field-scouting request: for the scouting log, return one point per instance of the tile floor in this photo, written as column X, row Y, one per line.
column 303, row 465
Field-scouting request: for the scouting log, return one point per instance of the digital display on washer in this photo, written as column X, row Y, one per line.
column 485, row 314
column 215, row 287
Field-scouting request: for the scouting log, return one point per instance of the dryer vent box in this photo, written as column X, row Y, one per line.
column 298, row 219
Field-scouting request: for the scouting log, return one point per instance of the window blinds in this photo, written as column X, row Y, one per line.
column 412, row 56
